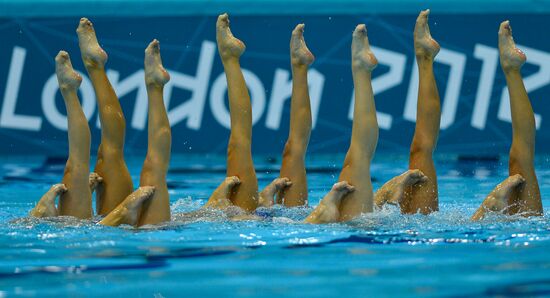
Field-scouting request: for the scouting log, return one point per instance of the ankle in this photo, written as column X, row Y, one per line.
column 299, row 67
column 228, row 59
column 425, row 59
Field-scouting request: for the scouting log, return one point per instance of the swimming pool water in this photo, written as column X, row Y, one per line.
column 382, row 254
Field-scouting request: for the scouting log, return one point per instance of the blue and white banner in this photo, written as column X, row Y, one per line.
column 475, row 104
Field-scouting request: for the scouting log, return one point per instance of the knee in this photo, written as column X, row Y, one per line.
column 519, row 160
column 521, row 152
column 294, row 149
column 421, row 148
column 237, row 145
column 163, row 134
column 114, row 115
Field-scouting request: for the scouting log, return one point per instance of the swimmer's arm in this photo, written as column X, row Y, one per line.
column 46, row 206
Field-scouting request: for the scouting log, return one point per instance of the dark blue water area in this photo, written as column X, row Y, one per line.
column 383, row 254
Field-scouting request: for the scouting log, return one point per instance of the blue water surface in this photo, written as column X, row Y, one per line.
column 384, row 254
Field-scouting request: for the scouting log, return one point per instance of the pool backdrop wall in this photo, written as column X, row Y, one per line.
column 475, row 104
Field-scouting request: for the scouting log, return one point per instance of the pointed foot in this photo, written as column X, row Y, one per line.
column 362, row 57
column 425, row 46
column 300, row 55
column 93, row 55
column 155, row 74
column 511, row 58
column 228, row 46
column 67, row 77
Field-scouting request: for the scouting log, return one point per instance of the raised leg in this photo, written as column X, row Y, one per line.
column 526, row 200
column 239, row 151
column 110, row 164
column 328, row 209
column 293, row 166
column 392, row 192
column 497, row 200
column 364, row 136
column 77, row 200
column 267, row 195
column 46, row 206
column 128, row 211
column 422, row 197
column 155, row 167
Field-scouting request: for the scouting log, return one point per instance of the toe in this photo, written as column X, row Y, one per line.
column 61, row 57
column 339, row 186
column 505, row 28
column 148, row 190
column 298, row 30
column 232, row 181
column 423, row 15
column 360, row 30
column 517, row 179
column 59, row 188
column 281, row 183
column 84, row 24
column 417, row 175
column 223, row 20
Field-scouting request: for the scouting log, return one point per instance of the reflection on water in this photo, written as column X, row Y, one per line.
column 443, row 254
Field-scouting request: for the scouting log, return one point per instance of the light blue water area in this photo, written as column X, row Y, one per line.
column 380, row 254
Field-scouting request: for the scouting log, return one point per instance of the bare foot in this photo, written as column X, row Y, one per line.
column 127, row 212
column 328, row 209
column 220, row 197
column 155, row 74
column 499, row 199
column 59, row 188
column 94, row 180
column 67, row 77
column 424, row 45
column 228, row 45
column 136, row 199
column 46, row 206
column 267, row 196
column 299, row 53
column 511, row 58
column 392, row 192
column 361, row 55
column 93, row 55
